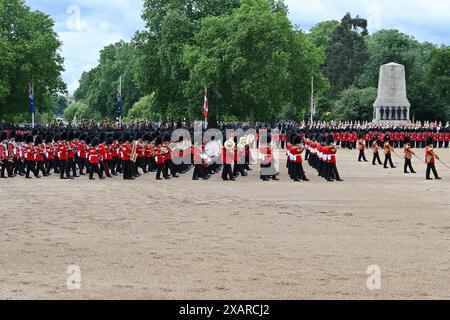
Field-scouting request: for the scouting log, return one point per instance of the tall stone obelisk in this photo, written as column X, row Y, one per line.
column 392, row 104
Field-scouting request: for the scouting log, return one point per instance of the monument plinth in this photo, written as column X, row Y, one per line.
column 392, row 105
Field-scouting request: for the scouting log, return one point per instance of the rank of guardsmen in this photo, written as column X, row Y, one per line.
column 97, row 152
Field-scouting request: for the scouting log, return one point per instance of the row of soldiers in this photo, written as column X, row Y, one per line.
column 408, row 154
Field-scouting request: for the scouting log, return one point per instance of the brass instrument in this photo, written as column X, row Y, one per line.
column 229, row 144
column 134, row 155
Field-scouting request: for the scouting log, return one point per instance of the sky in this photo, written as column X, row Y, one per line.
column 86, row 26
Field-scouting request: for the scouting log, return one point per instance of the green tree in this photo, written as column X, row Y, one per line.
column 59, row 105
column 29, row 50
column 253, row 61
column 98, row 87
column 144, row 109
column 355, row 105
column 322, row 33
column 347, row 55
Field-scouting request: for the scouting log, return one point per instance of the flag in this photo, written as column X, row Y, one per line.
column 313, row 106
column 206, row 104
column 119, row 99
column 31, row 106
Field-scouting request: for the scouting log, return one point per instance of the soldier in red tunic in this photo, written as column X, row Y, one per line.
column 376, row 151
column 3, row 154
column 409, row 153
column 297, row 173
column 93, row 156
column 431, row 157
column 40, row 156
column 362, row 148
column 388, row 153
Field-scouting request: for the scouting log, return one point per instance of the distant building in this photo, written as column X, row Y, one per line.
column 70, row 99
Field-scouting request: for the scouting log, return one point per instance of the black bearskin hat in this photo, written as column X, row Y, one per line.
column 95, row 142
column 330, row 139
column 29, row 139
column 297, row 140
column 407, row 140
column 48, row 139
column 3, row 136
column 71, row 136
column 38, row 140
column 429, row 141
column 63, row 136
column 109, row 141
column 387, row 138
column 126, row 137
column 158, row 141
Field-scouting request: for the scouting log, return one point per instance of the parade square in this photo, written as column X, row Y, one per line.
column 224, row 158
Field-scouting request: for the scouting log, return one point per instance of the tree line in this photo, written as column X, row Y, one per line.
column 256, row 65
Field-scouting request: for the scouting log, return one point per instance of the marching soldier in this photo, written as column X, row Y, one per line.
column 388, row 153
column 297, row 173
column 376, row 151
column 431, row 157
column 409, row 153
column 330, row 151
column 4, row 159
column 362, row 148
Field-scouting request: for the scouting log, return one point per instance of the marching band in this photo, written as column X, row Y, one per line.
column 105, row 154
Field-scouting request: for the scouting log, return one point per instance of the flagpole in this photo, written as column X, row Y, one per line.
column 120, row 90
column 312, row 100
column 206, row 117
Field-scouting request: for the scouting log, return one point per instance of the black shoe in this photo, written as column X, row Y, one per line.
column 91, row 178
column 28, row 178
column 340, row 180
column 207, row 178
column 429, row 179
column 306, row 180
column 406, row 172
column 275, row 179
column 194, row 179
column 413, row 172
column 297, row 180
column 159, row 178
column 63, row 178
column 439, row 178
column 176, row 176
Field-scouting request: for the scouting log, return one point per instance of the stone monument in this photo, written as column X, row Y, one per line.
column 392, row 105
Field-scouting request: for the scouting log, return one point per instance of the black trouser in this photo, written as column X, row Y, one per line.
column 332, row 172
column 408, row 165
column 376, row 158
column 432, row 167
column 297, row 172
column 446, row 143
column 40, row 167
column 227, row 172
column 239, row 169
column 81, row 164
column 199, row 172
column 168, row 166
column 72, row 166
column 388, row 160
column 362, row 156
column 63, row 169
column 95, row 169
column 3, row 168
column 161, row 168
column 127, row 169
column 30, row 168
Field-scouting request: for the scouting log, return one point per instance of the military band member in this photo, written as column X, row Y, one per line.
column 125, row 153
column 30, row 157
column 63, row 155
column 330, row 151
column 297, row 173
column 228, row 160
column 409, row 153
column 40, row 156
column 93, row 157
column 4, row 159
column 268, row 171
column 431, row 158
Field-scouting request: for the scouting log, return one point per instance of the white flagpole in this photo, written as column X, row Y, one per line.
column 34, row 106
column 121, row 101
column 312, row 100
column 204, row 104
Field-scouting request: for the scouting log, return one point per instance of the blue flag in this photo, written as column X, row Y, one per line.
column 31, row 107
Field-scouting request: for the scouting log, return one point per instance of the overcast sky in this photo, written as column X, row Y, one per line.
column 86, row 26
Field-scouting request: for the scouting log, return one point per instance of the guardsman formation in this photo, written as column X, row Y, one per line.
column 105, row 152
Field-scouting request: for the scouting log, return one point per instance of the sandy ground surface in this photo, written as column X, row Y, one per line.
column 182, row 239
